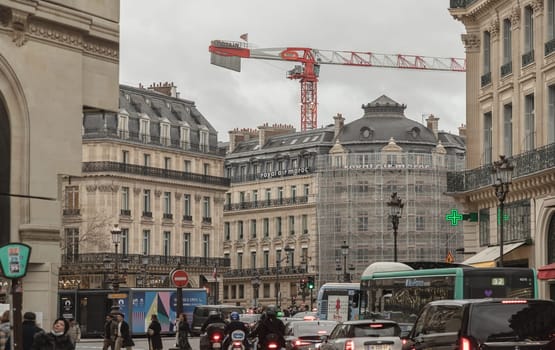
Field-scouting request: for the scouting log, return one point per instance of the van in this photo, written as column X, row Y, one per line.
column 484, row 324
column 201, row 312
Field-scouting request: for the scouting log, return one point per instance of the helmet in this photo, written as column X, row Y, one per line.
column 271, row 311
column 234, row 316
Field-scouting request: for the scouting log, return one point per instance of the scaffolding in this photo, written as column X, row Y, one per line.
column 353, row 191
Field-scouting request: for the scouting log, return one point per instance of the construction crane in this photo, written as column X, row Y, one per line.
column 228, row 54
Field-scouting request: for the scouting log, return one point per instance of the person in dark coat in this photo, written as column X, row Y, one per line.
column 153, row 333
column 123, row 339
column 183, row 332
column 110, row 333
column 29, row 329
column 56, row 339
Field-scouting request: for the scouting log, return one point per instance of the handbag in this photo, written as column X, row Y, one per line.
column 150, row 331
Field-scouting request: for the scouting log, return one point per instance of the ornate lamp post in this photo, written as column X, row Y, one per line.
column 345, row 252
column 255, row 281
column 287, row 250
column 395, row 205
column 116, row 239
column 501, row 178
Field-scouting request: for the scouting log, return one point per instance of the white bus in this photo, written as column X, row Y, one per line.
column 338, row 301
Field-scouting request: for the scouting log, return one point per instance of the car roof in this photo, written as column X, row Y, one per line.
column 480, row 301
column 355, row 322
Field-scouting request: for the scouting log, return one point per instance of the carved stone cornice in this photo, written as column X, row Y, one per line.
column 91, row 188
column 25, row 26
column 471, row 41
column 493, row 29
column 157, row 193
column 108, row 188
column 198, row 197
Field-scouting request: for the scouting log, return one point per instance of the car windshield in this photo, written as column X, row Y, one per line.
column 376, row 330
column 312, row 328
column 492, row 322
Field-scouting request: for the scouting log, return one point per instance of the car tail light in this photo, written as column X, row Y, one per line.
column 376, row 325
column 272, row 345
column 514, row 302
column 216, row 337
column 349, row 345
column 465, row 344
column 299, row 342
column 237, row 344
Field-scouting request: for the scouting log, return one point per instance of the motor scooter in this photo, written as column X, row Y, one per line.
column 213, row 338
column 237, row 340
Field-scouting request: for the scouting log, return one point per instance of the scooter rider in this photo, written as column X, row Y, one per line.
column 269, row 328
column 235, row 325
column 213, row 325
column 213, row 317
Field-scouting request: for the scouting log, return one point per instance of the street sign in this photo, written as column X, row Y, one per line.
column 14, row 258
column 117, row 296
column 180, row 278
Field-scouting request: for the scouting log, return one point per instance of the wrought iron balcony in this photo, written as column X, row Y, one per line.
column 535, row 161
column 207, row 220
column 94, row 167
column 271, row 175
column 270, row 271
column 486, row 79
column 147, row 214
column 460, row 3
column 95, row 261
column 108, row 133
column 266, row 203
column 187, row 218
column 506, row 69
column 528, row 58
column 167, row 216
column 125, row 212
column 549, row 47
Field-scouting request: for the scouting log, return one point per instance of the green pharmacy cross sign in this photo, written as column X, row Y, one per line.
column 14, row 258
column 454, row 217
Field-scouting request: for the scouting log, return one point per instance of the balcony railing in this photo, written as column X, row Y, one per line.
column 108, row 133
column 90, row 260
column 270, row 271
column 187, row 218
column 207, row 220
column 71, row 212
column 549, row 47
column 266, row 203
column 93, row 167
column 506, row 69
column 528, row 58
column 147, row 214
column 168, row 216
column 486, row 79
column 540, row 159
column 271, row 175
column 460, row 3
column 125, row 212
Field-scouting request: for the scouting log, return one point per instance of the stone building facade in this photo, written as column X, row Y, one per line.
column 510, row 106
column 57, row 59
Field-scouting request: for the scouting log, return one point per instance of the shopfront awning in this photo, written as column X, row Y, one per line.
column 547, row 272
column 489, row 256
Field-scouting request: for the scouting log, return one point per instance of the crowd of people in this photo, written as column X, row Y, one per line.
column 64, row 334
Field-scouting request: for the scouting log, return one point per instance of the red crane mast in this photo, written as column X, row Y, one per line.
column 228, row 54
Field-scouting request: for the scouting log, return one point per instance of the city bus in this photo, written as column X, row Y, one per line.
column 398, row 291
column 338, row 301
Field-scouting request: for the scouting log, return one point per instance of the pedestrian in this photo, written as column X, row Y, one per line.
column 183, row 332
column 29, row 329
column 110, row 333
column 5, row 330
column 123, row 339
column 153, row 333
column 74, row 331
column 56, row 339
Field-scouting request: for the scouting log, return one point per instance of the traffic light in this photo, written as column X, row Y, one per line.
column 310, row 282
column 303, row 283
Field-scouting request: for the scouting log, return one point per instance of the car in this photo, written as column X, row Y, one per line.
column 201, row 312
column 405, row 328
column 484, row 324
column 304, row 334
column 371, row 334
column 306, row 315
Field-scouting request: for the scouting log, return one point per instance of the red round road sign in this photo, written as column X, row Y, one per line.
column 180, row 278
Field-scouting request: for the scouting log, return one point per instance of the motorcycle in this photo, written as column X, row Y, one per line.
column 213, row 338
column 237, row 339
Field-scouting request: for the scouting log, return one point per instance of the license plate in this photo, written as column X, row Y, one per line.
column 378, row 347
column 216, row 345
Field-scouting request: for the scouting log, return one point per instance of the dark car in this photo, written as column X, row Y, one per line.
column 306, row 334
column 201, row 312
column 525, row 324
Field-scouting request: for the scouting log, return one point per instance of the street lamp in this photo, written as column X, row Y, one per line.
column 345, row 252
column 255, row 281
column 395, row 211
column 287, row 250
column 501, row 178
column 116, row 239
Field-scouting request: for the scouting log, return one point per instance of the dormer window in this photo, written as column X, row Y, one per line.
column 165, row 138
column 123, row 126
column 203, row 137
column 366, row 133
column 144, row 129
column 185, row 137
column 415, row 132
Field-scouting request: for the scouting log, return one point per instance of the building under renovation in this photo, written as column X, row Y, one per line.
column 373, row 157
column 314, row 203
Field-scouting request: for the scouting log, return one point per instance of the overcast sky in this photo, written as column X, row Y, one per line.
column 167, row 40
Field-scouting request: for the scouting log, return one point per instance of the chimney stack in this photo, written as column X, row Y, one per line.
column 462, row 131
column 166, row 88
column 432, row 123
column 339, row 121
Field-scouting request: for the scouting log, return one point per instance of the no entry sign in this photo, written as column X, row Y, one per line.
column 180, row 278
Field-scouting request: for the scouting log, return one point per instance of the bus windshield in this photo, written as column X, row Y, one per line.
column 338, row 301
